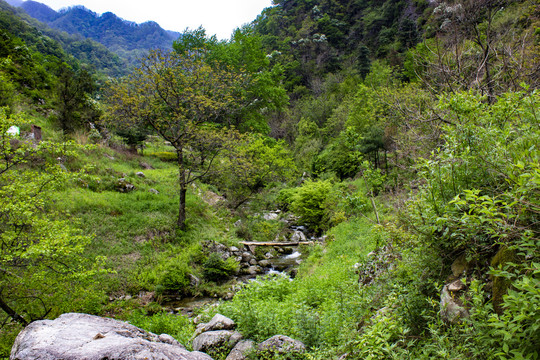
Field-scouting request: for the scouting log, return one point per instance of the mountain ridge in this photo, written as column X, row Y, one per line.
column 126, row 38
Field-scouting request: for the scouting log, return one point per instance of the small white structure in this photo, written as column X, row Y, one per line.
column 13, row 131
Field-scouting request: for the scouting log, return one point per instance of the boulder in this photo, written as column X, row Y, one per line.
column 246, row 256
column 153, row 191
column 123, row 186
column 270, row 216
column 216, row 341
column 460, row 266
column 81, row 336
column 281, row 344
column 242, row 350
column 265, row 263
column 145, row 166
column 451, row 309
column 298, row 236
column 252, row 270
column 140, row 174
column 218, row 322
column 457, row 286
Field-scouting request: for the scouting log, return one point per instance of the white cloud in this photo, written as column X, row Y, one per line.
column 218, row 17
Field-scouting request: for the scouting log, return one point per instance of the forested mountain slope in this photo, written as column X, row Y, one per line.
column 125, row 38
column 326, row 36
column 49, row 41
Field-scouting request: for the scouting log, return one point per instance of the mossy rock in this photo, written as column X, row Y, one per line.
column 500, row 284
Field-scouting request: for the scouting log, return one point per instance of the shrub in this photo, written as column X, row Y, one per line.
column 215, row 268
column 309, row 203
column 175, row 325
column 174, row 276
column 285, row 198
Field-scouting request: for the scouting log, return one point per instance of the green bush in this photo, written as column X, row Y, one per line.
column 175, row 325
column 309, row 203
column 285, row 198
column 479, row 188
column 174, row 276
column 215, row 268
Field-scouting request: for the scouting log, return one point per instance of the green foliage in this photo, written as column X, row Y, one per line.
column 243, row 55
column 174, row 276
column 73, row 99
column 285, row 198
column 320, row 306
column 176, row 325
column 216, row 269
column 309, row 201
column 42, row 261
column 342, row 157
column 475, row 186
column 250, row 163
column 373, row 178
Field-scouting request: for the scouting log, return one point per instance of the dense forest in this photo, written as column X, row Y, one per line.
column 393, row 143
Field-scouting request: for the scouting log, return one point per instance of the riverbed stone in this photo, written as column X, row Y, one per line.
column 81, row 336
column 252, row 270
column 280, row 344
column 242, row 350
column 298, row 236
column 253, row 262
column 213, row 341
column 264, row 263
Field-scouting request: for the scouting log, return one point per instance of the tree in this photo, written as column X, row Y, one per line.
column 249, row 163
column 41, row 262
column 72, row 97
column 478, row 47
column 180, row 96
column 243, row 54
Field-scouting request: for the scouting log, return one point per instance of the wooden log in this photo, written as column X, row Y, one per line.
column 258, row 243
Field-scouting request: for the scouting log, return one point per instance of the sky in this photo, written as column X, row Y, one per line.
column 218, row 17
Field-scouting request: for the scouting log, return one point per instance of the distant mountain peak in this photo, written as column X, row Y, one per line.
column 15, row 3
column 112, row 31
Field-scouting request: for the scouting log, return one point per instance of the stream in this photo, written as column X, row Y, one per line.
column 280, row 260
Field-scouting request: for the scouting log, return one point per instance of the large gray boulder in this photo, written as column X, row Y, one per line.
column 242, row 351
column 81, row 336
column 216, row 341
column 218, row 322
column 281, row 344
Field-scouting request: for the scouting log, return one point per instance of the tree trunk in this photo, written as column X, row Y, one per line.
column 181, row 223
column 182, row 209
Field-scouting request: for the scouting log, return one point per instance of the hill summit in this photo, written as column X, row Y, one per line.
column 112, row 31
